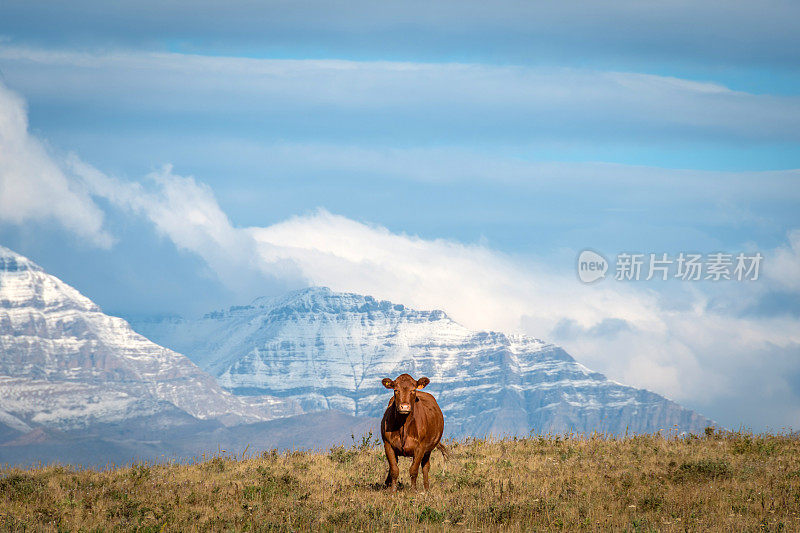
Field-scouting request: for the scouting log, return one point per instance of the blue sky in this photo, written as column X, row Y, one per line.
column 173, row 158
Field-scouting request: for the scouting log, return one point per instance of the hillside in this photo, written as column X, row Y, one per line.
column 721, row 482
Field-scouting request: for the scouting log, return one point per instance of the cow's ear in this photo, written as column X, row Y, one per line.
column 421, row 382
column 388, row 383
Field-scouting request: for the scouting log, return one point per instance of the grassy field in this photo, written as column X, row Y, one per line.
column 728, row 481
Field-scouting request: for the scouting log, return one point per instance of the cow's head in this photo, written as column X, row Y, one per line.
column 405, row 391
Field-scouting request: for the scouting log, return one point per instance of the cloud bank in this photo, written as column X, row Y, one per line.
column 417, row 102
column 688, row 346
column 712, row 32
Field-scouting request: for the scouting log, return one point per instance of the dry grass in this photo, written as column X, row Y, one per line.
column 730, row 482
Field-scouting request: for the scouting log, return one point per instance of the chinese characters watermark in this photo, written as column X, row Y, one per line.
column 717, row 266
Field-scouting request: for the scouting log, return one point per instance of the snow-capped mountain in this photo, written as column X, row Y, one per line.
column 64, row 364
column 329, row 350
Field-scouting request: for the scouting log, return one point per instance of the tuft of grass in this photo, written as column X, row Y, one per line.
column 215, row 465
column 18, row 485
column 704, row 469
column 721, row 481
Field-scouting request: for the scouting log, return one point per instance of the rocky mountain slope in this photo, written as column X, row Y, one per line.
column 65, row 365
column 328, row 350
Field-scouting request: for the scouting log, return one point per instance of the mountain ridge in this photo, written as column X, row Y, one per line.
column 328, row 350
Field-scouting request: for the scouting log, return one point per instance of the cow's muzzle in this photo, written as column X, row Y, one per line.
column 404, row 408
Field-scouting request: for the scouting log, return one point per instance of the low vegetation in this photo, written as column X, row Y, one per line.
column 722, row 481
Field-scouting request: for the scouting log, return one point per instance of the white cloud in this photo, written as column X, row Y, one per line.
column 784, row 267
column 32, row 185
column 481, row 287
column 187, row 213
column 460, row 165
column 451, row 98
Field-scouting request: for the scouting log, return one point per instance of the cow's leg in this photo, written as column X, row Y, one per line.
column 394, row 471
column 426, row 465
column 414, row 470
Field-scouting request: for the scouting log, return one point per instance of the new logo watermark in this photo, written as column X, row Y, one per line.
column 591, row 266
column 684, row 266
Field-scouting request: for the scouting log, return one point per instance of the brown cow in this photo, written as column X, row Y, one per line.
column 412, row 426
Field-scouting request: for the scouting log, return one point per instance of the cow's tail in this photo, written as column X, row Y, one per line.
column 445, row 452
